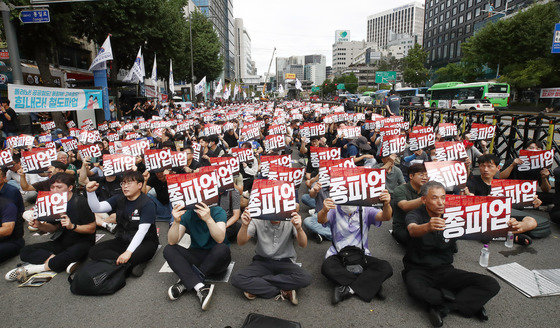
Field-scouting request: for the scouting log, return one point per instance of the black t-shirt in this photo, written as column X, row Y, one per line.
column 9, row 213
column 141, row 210
column 430, row 250
column 194, row 165
column 9, row 125
column 107, row 189
column 160, row 187
column 534, row 175
column 230, row 139
column 79, row 213
column 477, row 186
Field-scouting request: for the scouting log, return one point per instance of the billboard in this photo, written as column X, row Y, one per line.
column 341, row 36
column 290, row 76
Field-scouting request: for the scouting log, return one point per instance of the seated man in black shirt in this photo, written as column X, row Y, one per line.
column 156, row 188
column 428, row 271
column 192, row 164
column 11, row 230
column 136, row 239
column 72, row 237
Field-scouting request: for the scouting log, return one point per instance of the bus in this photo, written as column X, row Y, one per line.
column 379, row 97
column 412, row 92
column 449, row 94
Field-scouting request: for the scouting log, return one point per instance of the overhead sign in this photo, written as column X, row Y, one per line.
column 341, row 36
column 290, row 76
column 315, row 89
column 25, row 98
column 340, row 86
column 35, row 16
column 556, row 40
column 385, row 77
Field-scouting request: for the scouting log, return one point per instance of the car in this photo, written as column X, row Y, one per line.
column 474, row 104
column 413, row 101
column 365, row 100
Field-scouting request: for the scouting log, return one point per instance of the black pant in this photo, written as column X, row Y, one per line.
column 266, row 277
column 64, row 254
column 10, row 248
column 112, row 249
column 472, row 290
column 232, row 230
column 401, row 235
column 212, row 261
column 367, row 284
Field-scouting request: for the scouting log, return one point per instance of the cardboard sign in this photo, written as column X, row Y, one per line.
column 388, row 131
column 89, row 137
column 521, row 192
column 359, row 186
column 117, row 163
column 450, row 174
column 135, row 147
column 178, row 159
column 231, row 162
column 69, row 144
column 393, row 145
column 323, row 153
column 212, row 130
column 37, row 160
column 422, row 129
column 249, row 134
column 266, row 161
column 476, row 217
column 450, row 151
column 89, row 151
column 21, row 141
column 103, row 126
column 447, row 130
column 70, row 124
column 309, row 130
column 287, row 174
column 274, row 142
column 324, row 165
column 243, row 154
column 482, row 131
column 349, row 132
column 46, row 126
column 6, row 159
column 193, row 188
column 50, row 206
column 272, row 200
column 113, row 136
column 421, row 140
column 158, row 159
column 535, row 159
column 277, row 129
column 225, row 177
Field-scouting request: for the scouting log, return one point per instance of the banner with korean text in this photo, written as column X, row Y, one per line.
column 360, row 186
column 27, row 98
column 193, row 188
column 272, row 200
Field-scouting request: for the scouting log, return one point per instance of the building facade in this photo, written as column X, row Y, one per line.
column 244, row 66
column 315, row 69
column 344, row 53
column 407, row 19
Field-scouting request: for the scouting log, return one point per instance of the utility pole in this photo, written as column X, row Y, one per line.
column 192, row 60
column 11, row 39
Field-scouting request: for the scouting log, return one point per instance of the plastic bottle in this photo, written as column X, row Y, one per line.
column 509, row 240
column 484, row 255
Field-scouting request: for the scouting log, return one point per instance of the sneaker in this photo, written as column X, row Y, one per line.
column 72, row 267
column 138, row 270
column 249, row 296
column 318, row 238
column 32, row 229
column 205, row 295
column 280, row 297
column 175, row 291
column 290, row 295
column 111, row 227
column 21, row 274
column 11, row 275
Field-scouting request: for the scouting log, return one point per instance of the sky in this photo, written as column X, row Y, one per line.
column 303, row 27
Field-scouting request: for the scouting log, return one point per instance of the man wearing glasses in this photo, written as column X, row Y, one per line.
column 192, row 164
column 136, row 238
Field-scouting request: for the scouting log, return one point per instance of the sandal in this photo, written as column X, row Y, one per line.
column 522, row 239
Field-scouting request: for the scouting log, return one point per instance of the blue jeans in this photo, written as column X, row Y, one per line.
column 312, row 224
column 309, row 201
column 163, row 212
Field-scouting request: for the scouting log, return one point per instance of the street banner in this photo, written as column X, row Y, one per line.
column 89, row 137
column 389, row 131
column 266, row 161
column 231, row 162
column 450, row 151
column 6, row 159
column 211, row 130
column 359, row 186
column 476, row 217
column 451, row 174
column 421, row 140
column 135, row 147
column 274, row 143
column 225, row 177
column 193, row 188
column 309, row 130
column 197, row 148
column 27, row 98
column 244, row 155
column 69, row 144
column 482, row 131
column 422, row 129
column 158, row 160
column 117, row 163
column 249, row 134
column 324, row 165
column 89, row 151
column 272, row 200
column 21, row 141
column 286, row 174
column 349, row 132
column 317, row 154
column 70, row 124
column 447, row 130
column 521, row 192
column 37, row 160
column 178, row 159
column 277, row 129
column 49, row 125
column 50, row 206
column 393, row 145
column 535, row 159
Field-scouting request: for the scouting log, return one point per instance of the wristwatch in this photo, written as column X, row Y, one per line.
column 75, row 226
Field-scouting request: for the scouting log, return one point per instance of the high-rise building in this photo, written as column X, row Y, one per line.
column 448, row 23
column 315, row 69
column 220, row 13
column 344, row 50
column 244, row 65
column 289, row 65
column 407, row 19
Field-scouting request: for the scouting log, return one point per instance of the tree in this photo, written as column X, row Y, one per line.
column 459, row 72
column 414, row 72
column 206, row 49
column 389, row 64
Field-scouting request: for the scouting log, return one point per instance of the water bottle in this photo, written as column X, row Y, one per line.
column 509, row 240
column 484, row 255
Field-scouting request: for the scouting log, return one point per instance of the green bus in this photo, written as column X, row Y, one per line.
column 449, row 94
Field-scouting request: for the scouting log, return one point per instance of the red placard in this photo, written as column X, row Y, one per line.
column 275, row 142
column 277, row 129
column 272, row 200
column 399, row 125
column 197, row 148
column 89, row 137
column 393, row 119
column 287, row 174
column 389, row 131
column 103, row 126
column 132, row 136
column 521, row 192
column 158, row 159
column 89, row 151
column 447, row 130
column 21, row 141
column 482, row 131
column 249, row 134
column 266, row 161
column 178, row 159
column 225, row 177
column 309, row 130
column 421, row 140
column 115, row 147
column 349, row 132
column 37, row 160
column 422, row 129
column 46, row 126
column 135, row 147
column 243, row 154
column 44, row 138
column 50, row 206
column 70, row 124
column 117, row 163
column 193, row 188
column 476, row 217
column 6, row 159
column 114, row 124
column 113, row 136
column 317, row 154
column 451, row 174
column 87, row 124
column 393, row 145
column 359, row 186
column 450, row 151
column 231, row 162
column 69, row 144
column 535, row 159
column 211, row 130
column 74, row 132
column 324, row 177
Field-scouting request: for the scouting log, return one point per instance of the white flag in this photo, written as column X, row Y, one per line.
column 218, row 89
column 227, row 92
column 154, row 70
column 235, row 91
column 244, row 95
column 252, row 93
column 105, row 53
column 171, row 82
column 200, row 86
column 137, row 71
column 281, row 89
column 298, row 85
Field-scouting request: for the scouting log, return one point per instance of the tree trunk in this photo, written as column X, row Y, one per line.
column 42, row 59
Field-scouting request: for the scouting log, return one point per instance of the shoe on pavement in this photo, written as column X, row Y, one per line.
column 11, row 275
column 205, row 295
column 72, row 267
column 318, row 238
column 175, row 291
column 249, row 296
column 138, row 270
column 21, row 274
column 290, row 295
column 340, row 293
column 435, row 317
column 482, row 315
column 32, row 229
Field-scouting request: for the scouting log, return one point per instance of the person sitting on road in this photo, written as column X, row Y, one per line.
column 393, row 175
column 273, row 271
column 72, row 237
column 317, row 194
column 11, row 230
column 208, row 254
column 136, row 240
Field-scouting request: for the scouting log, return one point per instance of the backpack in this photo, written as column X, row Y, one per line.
column 103, row 277
column 255, row 320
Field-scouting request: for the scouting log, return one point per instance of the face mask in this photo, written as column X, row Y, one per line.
column 348, row 209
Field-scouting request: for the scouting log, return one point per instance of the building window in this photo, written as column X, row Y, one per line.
column 477, row 12
column 461, row 19
column 433, row 53
column 452, row 50
column 453, row 22
column 469, row 3
column 447, row 14
column 441, row 18
column 448, row 3
column 446, row 25
column 458, row 48
column 454, row 12
column 429, row 44
column 453, row 35
column 469, row 15
column 442, row 7
column 468, row 29
column 462, row 7
column 445, row 51
column 498, row 3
